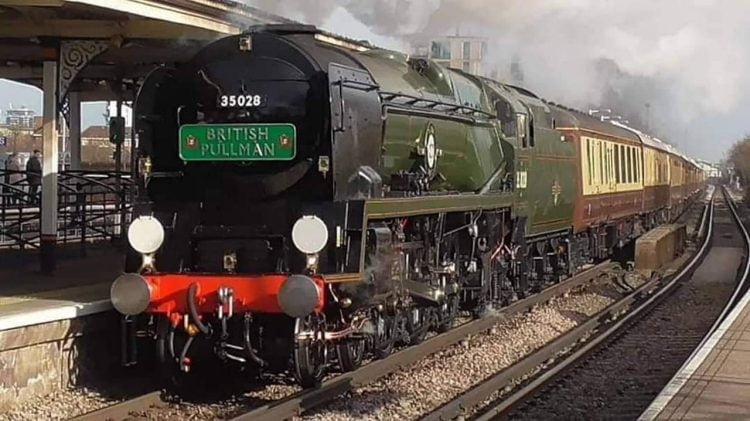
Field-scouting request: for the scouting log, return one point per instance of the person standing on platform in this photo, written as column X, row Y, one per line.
column 34, row 174
column 14, row 174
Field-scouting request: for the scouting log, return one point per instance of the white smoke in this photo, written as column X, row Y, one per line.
column 685, row 58
column 695, row 49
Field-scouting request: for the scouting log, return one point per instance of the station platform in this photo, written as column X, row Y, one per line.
column 79, row 287
column 714, row 383
column 55, row 328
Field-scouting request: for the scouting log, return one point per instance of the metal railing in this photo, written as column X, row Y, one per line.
column 92, row 205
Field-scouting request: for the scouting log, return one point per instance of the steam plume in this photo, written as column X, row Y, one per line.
column 684, row 58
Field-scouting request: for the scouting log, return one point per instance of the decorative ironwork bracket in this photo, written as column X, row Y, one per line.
column 74, row 56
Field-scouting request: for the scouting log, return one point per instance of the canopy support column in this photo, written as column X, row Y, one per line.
column 49, row 168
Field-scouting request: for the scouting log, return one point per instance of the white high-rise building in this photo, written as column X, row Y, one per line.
column 459, row 52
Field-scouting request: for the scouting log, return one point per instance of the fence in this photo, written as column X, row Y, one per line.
column 91, row 206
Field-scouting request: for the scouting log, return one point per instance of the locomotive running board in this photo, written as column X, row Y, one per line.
column 425, row 205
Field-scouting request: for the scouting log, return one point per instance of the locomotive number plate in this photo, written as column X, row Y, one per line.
column 240, row 101
column 238, row 142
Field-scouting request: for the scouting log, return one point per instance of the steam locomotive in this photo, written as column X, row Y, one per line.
column 308, row 200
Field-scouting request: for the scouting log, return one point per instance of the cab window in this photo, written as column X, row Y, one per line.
column 504, row 112
column 521, row 130
column 469, row 93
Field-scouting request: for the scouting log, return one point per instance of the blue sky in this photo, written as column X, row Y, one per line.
column 19, row 95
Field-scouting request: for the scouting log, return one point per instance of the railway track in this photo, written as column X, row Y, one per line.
column 551, row 369
column 298, row 403
column 123, row 410
column 302, row 401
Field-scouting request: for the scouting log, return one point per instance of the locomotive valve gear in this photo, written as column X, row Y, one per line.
column 298, row 296
column 355, row 326
column 146, row 234
column 130, row 294
column 310, row 234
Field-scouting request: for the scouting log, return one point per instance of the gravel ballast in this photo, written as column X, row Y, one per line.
column 423, row 387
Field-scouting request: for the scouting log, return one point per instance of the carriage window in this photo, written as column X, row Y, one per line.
column 628, row 165
column 588, row 159
column 657, row 170
column 640, row 165
column 606, row 163
column 617, row 163
column 601, row 162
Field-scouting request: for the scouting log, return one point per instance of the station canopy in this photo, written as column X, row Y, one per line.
column 97, row 42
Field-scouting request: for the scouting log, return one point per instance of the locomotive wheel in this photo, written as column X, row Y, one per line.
column 350, row 352
column 309, row 353
column 385, row 333
column 448, row 313
column 417, row 324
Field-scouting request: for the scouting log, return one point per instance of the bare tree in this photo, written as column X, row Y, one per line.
column 739, row 159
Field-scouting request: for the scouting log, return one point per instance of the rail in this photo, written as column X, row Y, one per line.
column 92, row 206
column 596, row 332
column 297, row 403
